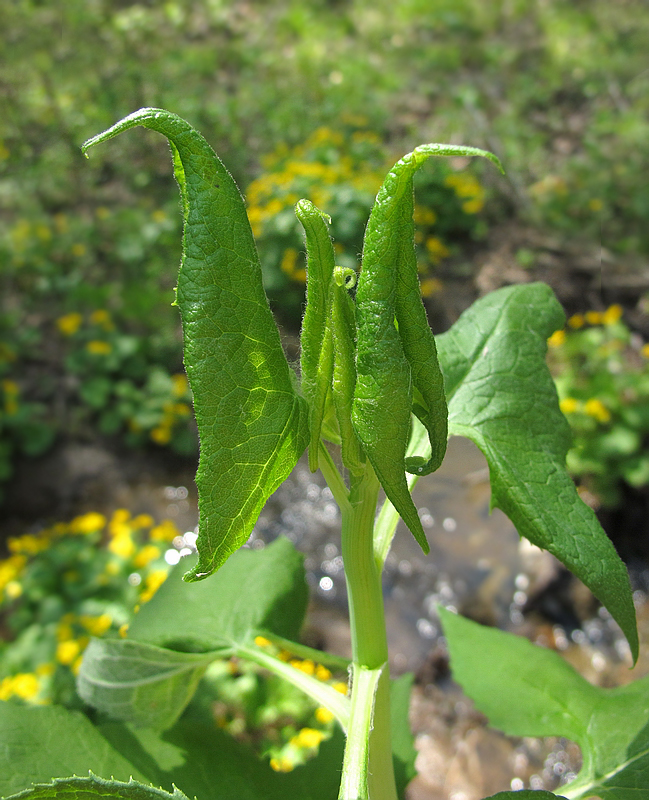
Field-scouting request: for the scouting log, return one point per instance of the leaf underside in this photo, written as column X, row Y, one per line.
column 547, row 697
column 252, row 424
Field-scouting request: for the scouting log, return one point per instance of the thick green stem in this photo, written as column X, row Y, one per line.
column 367, row 770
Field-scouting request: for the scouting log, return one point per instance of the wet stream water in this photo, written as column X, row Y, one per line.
column 477, row 565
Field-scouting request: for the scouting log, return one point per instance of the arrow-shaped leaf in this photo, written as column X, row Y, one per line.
column 502, row 397
column 545, row 696
column 251, row 422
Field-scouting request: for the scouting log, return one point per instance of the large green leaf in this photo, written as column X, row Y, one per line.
column 253, row 426
column 502, row 397
column 140, row 682
column 38, row 743
column 546, row 697
column 256, row 590
column 205, row 762
column 93, row 788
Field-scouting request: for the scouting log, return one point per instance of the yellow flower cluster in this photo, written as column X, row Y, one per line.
column 592, row 407
column 467, row 187
column 309, row 170
column 70, row 323
column 25, row 685
column 612, row 315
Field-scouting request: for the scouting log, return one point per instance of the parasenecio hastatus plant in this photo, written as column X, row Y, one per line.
column 374, row 402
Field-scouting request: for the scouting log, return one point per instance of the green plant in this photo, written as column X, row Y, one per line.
column 602, row 377
column 369, row 363
column 121, row 386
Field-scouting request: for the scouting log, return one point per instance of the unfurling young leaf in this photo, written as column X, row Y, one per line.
column 316, row 343
column 252, row 423
column 396, row 363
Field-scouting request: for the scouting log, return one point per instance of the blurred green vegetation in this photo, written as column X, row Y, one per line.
column 559, row 90
column 601, row 370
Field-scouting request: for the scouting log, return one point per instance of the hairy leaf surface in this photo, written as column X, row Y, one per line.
column 93, row 788
column 38, row 743
column 547, row 697
column 502, row 397
column 252, row 424
column 139, row 682
column 316, row 344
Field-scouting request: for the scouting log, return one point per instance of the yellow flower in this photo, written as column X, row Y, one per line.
column 595, row 408
column 424, row 216
column 146, row 555
column 11, row 568
column 594, row 317
column 262, row 641
column 557, row 339
column 69, row 324
column 307, row 666
column 281, row 764
column 340, row 687
column 25, row 685
column 473, row 206
column 288, row 265
column 123, row 630
column 142, row 521
column 67, row 652
column 13, row 590
column 98, row 347
column 6, row 688
column 166, row 531
column 45, row 670
column 430, row 286
column 158, row 215
column 152, row 583
column 179, row 384
column 161, row 434
column 307, row 738
column 323, row 715
column 122, row 545
column 88, row 523
column 322, row 673
column 96, row 626
column 102, row 318
column 612, row 314
column 78, row 249
column 29, row 544
column 569, row 405
column 437, row 250
column 644, row 350
column 595, row 204
column 102, row 212
column 576, row 321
